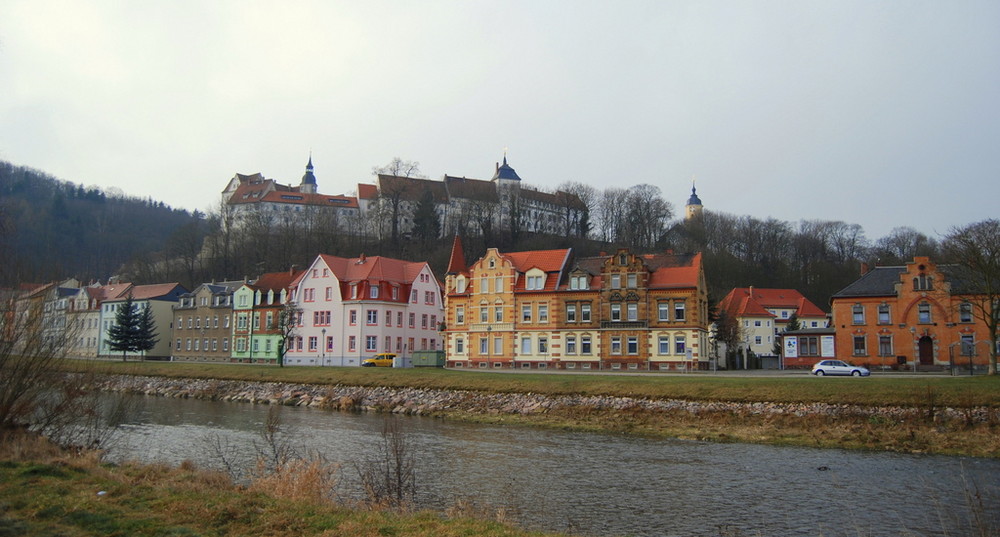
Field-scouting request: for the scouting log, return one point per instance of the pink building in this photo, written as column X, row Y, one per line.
column 352, row 309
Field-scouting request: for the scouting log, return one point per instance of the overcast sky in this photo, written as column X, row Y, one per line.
column 880, row 113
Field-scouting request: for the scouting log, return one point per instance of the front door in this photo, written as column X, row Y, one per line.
column 926, row 348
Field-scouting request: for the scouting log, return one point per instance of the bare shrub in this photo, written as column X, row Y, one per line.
column 387, row 473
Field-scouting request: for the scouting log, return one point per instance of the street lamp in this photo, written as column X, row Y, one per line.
column 323, row 348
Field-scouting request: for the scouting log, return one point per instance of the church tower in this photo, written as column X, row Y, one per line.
column 308, row 185
column 693, row 207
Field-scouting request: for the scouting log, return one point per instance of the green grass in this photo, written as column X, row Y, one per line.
column 961, row 392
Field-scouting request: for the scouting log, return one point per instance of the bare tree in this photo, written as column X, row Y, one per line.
column 392, row 193
column 577, row 198
column 903, row 244
column 975, row 250
column 288, row 320
column 388, row 474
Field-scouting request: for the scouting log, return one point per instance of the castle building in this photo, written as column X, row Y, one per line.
column 693, row 209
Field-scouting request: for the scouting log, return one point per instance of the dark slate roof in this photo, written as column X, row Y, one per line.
column 506, row 172
column 472, row 189
column 694, row 199
column 880, row 281
column 309, row 178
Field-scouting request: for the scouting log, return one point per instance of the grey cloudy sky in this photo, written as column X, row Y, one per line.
column 883, row 114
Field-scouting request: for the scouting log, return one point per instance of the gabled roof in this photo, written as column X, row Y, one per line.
column 552, row 262
column 410, row 188
column 375, row 268
column 276, row 281
column 471, row 189
column 456, row 263
column 754, row 302
column 880, row 281
column 667, row 270
column 153, row 291
column 367, row 192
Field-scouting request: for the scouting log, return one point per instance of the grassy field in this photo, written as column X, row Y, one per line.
column 47, row 492
column 919, row 391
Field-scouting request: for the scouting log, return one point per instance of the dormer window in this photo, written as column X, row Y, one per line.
column 460, row 284
column 578, row 282
column 535, row 281
column 373, row 291
column 622, row 259
column 493, row 263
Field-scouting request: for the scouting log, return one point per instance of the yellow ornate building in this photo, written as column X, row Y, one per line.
column 543, row 309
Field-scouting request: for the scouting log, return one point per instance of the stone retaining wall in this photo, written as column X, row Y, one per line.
column 419, row 401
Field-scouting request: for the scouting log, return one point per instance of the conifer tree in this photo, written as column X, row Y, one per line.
column 121, row 335
column 145, row 332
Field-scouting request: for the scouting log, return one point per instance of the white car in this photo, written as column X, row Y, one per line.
column 839, row 367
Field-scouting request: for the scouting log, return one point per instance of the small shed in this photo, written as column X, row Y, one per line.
column 428, row 358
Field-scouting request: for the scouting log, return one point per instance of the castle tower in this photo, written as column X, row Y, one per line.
column 693, row 207
column 505, row 175
column 308, row 185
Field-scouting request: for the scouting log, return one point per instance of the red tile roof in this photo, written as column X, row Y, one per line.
column 367, row 192
column 146, row 292
column 456, row 263
column 276, row 281
column 375, row 268
column 754, row 302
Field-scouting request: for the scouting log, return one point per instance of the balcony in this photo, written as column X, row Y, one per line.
column 624, row 325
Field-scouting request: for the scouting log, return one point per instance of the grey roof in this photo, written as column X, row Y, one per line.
column 880, row 281
column 694, row 199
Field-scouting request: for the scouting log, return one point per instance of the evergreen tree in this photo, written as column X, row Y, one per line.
column 793, row 323
column 122, row 335
column 426, row 225
column 145, row 332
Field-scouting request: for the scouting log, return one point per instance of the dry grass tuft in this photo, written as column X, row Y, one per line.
column 310, row 480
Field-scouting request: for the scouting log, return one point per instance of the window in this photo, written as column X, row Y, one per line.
column 498, row 314
column 423, row 321
column 373, row 291
column 585, row 347
column 399, row 319
column 413, row 323
column 632, row 311
column 965, row 312
column 885, row 345
column 756, row 340
column 329, row 344
column 497, row 346
column 329, row 294
column 371, row 343
column 543, row 345
column 679, row 310
column 484, row 285
column 395, row 293
column 923, row 313
column 809, row 346
column 883, row 314
column 570, row 313
column 353, row 317
column 484, row 345
column 372, row 317
column 459, row 346
column 352, row 343
column 616, row 345
column 585, row 313
column 525, row 345
column 256, row 321
column 215, row 322
column 484, row 315
column 388, row 317
column 578, row 282
column 178, row 344
column 241, row 321
column 225, row 344
column 616, row 281
column 860, row 348
column 616, row 311
column 413, row 296
column 460, row 285
column 309, row 295
column 663, row 345
column 680, row 345
column 526, row 313
column 429, row 297
column 968, row 344
column 632, row 345
column 570, row 344
column 498, row 284
column 312, row 343
column 543, row 313
column 535, row 282
column 858, row 314
column 241, row 345
column 632, row 280
column 923, row 282
column 663, row 311
column 622, row 259
column 225, row 321
column 256, row 345
column 460, row 315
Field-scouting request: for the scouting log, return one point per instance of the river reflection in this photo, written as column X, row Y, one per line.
column 604, row 485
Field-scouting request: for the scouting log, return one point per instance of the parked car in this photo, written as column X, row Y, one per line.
column 384, row 359
column 839, row 367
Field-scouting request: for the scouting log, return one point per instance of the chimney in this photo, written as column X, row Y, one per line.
column 751, row 291
column 291, row 269
column 498, row 166
column 864, row 268
column 361, row 259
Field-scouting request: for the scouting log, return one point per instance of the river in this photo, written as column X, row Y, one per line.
column 605, row 485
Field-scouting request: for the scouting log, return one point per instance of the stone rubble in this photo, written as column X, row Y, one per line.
column 423, row 401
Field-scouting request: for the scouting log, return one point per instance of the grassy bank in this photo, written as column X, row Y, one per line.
column 916, row 391
column 925, row 432
column 48, row 492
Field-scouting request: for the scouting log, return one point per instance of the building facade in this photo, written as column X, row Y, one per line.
column 914, row 316
column 762, row 314
column 351, row 309
column 160, row 299
column 543, row 309
column 202, row 329
column 260, row 309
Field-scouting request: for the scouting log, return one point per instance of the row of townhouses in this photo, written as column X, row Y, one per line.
column 535, row 310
